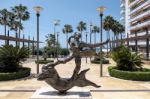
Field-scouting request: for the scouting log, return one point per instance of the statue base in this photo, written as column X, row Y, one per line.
column 50, row 93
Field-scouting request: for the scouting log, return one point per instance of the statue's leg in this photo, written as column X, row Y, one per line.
column 77, row 68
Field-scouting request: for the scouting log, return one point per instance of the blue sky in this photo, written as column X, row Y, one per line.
column 68, row 11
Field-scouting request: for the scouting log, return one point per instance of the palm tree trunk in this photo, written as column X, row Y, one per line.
column 108, row 37
column 121, row 36
column 114, row 40
column 16, row 38
column 19, row 32
column 95, row 39
column 81, row 35
column 8, row 36
column 67, row 40
column 117, row 40
column 5, row 32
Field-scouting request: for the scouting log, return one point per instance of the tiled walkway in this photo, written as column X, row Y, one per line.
column 112, row 88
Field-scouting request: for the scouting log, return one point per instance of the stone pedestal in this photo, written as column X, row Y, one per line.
column 50, row 93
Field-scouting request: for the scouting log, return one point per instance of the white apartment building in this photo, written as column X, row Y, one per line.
column 136, row 16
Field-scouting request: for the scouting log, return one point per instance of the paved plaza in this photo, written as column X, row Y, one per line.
column 111, row 88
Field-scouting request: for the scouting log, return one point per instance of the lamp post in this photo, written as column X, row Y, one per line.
column 86, row 42
column 56, row 23
column 38, row 10
column 101, row 10
column 23, row 41
column 57, row 43
column 91, row 26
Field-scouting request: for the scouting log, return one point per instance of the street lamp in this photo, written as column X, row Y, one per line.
column 38, row 9
column 57, row 44
column 86, row 42
column 91, row 26
column 101, row 10
column 56, row 23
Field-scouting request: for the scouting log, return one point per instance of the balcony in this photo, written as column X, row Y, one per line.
column 139, row 42
column 122, row 5
column 147, row 13
column 122, row 19
column 133, row 3
column 146, row 23
column 122, row 12
column 147, row 3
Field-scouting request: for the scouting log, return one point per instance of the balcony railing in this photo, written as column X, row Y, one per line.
column 122, row 5
column 133, row 3
column 140, row 7
column 122, row 18
column 140, row 16
column 122, row 12
column 146, row 23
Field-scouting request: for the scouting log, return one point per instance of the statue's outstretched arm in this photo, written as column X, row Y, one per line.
column 63, row 61
column 82, row 45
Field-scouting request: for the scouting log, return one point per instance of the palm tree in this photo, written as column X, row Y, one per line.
column 121, row 29
column 95, row 30
column 81, row 27
column 108, row 21
column 50, row 39
column 116, row 31
column 4, row 16
column 15, row 25
column 67, row 29
column 21, row 14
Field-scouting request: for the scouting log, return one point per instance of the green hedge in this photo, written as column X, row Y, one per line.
column 143, row 75
column 98, row 61
column 44, row 62
column 23, row 72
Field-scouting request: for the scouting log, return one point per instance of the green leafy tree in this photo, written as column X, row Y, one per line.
column 81, row 27
column 11, row 57
column 66, row 30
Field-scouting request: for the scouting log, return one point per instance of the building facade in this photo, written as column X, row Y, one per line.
column 137, row 22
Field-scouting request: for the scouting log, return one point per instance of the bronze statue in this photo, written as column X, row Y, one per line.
column 78, row 49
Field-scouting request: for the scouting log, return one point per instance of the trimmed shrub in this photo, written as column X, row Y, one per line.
column 143, row 75
column 44, row 61
column 23, row 72
column 98, row 61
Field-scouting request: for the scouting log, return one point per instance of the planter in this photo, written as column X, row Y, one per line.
column 143, row 75
column 44, row 62
column 95, row 61
column 23, row 72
